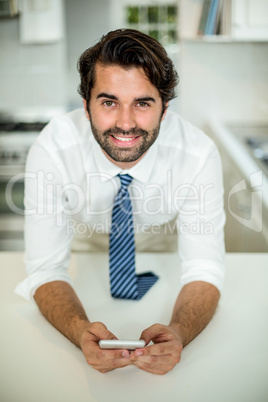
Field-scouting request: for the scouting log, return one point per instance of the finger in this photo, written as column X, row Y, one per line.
column 152, row 332
column 105, row 359
column 101, row 359
column 110, row 359
column 151, row 369
column 159, row 349
column 100, row 331
column 153, row 360
column 157, row 364
column 112, row 354
column 109, row 366
column 91, row 348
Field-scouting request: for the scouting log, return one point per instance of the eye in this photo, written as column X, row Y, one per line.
column 143, row 104
column 108, row 103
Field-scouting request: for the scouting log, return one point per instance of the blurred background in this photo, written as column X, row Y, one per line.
column 220, row 50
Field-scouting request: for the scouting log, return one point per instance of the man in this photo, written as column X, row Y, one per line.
column 127, row 81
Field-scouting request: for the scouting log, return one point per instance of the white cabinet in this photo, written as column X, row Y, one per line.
column 41, row 21
column 250, row 19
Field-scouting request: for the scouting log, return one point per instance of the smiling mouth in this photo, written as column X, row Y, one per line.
column 124, row 139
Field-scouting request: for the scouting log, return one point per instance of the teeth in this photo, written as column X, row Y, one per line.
column 124, row 139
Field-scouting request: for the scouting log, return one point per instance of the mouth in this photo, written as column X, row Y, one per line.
column 125, row 141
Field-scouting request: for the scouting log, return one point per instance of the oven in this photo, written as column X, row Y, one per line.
column 16, row 138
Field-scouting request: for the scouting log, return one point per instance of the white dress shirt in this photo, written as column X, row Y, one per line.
column 70, row 187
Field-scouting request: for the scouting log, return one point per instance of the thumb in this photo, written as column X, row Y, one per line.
column 100, row 331
column 150, row 333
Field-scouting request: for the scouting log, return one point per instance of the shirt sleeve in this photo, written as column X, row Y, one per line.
column 47, row 240
column 201, row 225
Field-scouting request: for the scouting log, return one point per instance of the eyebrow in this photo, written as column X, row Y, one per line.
column 145, row 99
column 110, row 96
column 105, row 95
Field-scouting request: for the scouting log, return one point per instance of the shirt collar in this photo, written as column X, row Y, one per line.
column 140, row 172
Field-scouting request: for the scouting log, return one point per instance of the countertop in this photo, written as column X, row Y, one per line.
column 226, row 362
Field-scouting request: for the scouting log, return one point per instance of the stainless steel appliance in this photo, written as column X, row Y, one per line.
column 259, row 149
column 255, row 139
column 17, row 133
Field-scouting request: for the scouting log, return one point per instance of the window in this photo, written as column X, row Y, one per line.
column 157, row 18
column 158, row 21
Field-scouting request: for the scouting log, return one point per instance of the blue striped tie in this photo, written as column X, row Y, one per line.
column 124, row 282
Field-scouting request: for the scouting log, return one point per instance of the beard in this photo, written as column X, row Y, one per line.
column 125, row 154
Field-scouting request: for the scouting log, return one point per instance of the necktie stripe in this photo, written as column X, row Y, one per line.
column 123, row 280
column 116, row 252
column 129, row 288
column 115, row 249
column 120, row 213
column 124, row 286
column 116, row 256
column 124, row 209
column 121, row 231
column 125, row 238
column 119, row 219
column 119, row 267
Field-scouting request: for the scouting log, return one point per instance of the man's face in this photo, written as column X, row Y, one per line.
column 125, row 112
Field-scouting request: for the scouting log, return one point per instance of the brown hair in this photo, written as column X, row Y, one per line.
column 129, row 48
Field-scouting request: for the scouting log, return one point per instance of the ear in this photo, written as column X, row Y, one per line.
column 165, row 111
column 85, row 108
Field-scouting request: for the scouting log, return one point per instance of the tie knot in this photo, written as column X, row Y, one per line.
column 125, row 179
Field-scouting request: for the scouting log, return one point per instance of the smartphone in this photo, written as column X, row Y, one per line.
column 119, row 344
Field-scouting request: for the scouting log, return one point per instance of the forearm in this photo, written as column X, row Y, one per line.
column 193, row 309
column 60, row 305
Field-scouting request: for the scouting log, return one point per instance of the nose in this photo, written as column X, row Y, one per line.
column 125, row 119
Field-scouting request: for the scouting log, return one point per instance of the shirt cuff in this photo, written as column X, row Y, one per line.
column 205, row 271
column 28, row 286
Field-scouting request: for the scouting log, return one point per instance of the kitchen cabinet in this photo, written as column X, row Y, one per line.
column 250, row 19
column 41, row 21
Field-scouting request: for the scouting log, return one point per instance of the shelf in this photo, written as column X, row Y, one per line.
column 240, row 21
column 222, row 39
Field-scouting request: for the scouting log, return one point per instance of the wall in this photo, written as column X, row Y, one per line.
column 31, row 76
column 37, row 76
column 86, row 22
column 227, row 81
column 224, row 80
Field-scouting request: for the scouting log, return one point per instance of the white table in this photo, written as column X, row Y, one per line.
column 226, row 362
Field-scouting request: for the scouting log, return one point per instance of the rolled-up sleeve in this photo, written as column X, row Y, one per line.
column 201, row 225
column 47, row 241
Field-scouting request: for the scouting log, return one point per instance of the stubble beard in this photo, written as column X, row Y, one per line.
column 125, row 154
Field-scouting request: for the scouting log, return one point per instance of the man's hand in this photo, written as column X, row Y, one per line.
column 163, row 355
column 62, row 308
column 102, row 360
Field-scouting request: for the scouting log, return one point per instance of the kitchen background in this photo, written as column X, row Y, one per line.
column 223, row 88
